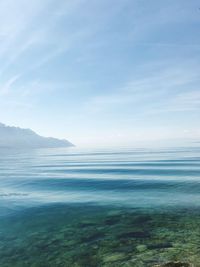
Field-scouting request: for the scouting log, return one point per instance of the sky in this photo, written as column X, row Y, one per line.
column 101, row 72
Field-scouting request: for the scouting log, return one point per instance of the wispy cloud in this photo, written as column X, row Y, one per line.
column 188, row 101
column 31, row 30
column 99, row 64
column 163, row 89
column 6, row 87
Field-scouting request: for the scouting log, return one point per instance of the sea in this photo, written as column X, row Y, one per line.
column 73, row 207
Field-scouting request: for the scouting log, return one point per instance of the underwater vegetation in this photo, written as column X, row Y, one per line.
column 92, row 236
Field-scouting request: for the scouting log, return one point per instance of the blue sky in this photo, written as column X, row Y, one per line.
column 101, row 72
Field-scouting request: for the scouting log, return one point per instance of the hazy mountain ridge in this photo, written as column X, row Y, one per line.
column 16, row 137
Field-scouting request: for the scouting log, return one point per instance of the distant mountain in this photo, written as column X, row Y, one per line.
column 14, row 137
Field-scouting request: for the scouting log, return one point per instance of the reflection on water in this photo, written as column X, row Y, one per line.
column 85, row 208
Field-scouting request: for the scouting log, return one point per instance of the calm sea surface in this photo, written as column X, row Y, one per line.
column 138, row 177
column 125, row 207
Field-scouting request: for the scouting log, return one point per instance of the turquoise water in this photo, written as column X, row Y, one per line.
column 125, row 207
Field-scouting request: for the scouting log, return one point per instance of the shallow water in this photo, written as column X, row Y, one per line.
column 128, row 207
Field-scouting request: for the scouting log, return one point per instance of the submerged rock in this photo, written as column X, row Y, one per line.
column 86, row 224
column 92, row 237
column 139, row 234
column 160, row 245
column 114, row 257
column 142, row 219
column 125, row 249
column 112, row 220
column 174, row 264
column 141, row 248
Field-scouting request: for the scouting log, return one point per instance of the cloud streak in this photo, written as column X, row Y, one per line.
column 100, row 66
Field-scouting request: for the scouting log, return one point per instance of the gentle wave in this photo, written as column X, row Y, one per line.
column 135, row 177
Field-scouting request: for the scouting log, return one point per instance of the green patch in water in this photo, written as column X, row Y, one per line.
column 94, row 236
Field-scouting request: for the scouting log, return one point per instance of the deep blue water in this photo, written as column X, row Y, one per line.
column 127, row 177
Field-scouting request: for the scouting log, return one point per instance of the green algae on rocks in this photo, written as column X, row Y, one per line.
column 94, row 236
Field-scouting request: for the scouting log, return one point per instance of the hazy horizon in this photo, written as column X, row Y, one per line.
column 110, row 73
